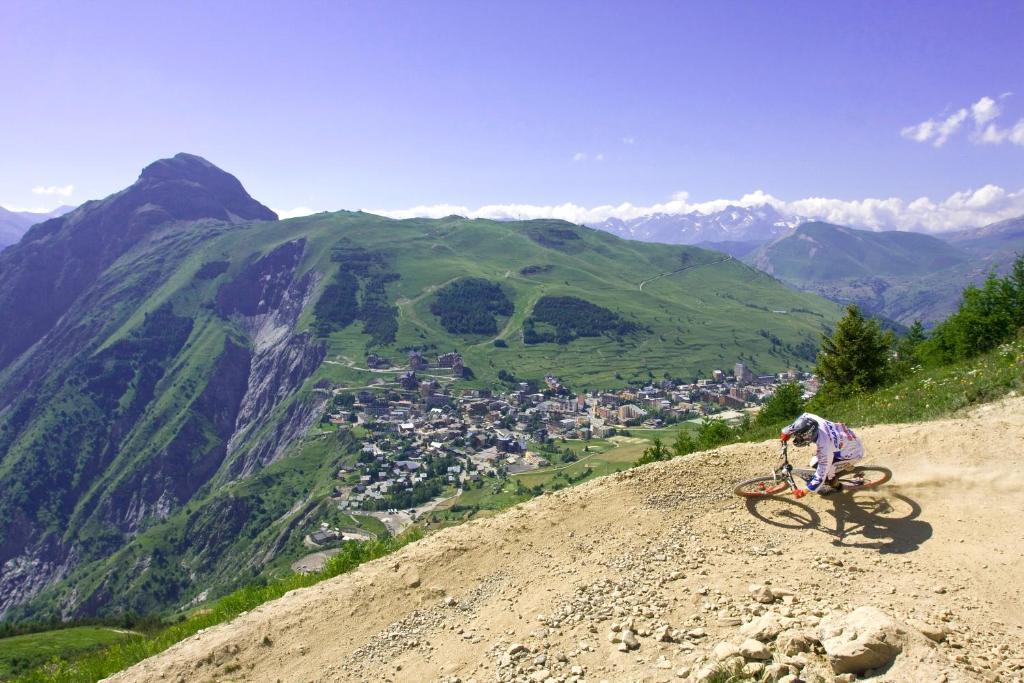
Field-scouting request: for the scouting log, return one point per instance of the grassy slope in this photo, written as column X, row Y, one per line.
column 930, row 393
column 20, row 653
column 699, row 319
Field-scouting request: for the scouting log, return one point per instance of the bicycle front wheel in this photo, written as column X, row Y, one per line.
column 760, row 487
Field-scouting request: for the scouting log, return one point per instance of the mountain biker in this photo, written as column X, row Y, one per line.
column 838, row 449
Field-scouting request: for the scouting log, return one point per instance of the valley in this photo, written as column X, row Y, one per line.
column 176, row 348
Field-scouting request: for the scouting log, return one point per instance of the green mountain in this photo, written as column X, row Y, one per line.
column 902, row 276
column 823, row 252
column 167, row 354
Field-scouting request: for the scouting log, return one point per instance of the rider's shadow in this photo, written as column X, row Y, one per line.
column 887, row 522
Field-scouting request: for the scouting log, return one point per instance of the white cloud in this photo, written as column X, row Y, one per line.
column 65, row 191
column 599, row 156
column 628, row 140
column 986, row 131
column 936, row 131
column 966, row 209
column 294, row 213
column 994, row 135
column 1017, row 134
column 984, row 110
column 579, row 156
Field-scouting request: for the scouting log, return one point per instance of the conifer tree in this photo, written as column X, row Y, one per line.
column 857, row 356
column 684, row 443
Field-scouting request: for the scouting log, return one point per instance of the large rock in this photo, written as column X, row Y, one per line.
column 866, row 638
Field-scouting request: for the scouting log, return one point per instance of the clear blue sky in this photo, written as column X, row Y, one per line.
column 393, row 104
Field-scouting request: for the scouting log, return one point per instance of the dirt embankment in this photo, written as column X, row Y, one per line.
column 654, row 573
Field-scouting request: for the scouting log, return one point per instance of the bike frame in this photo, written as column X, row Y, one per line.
column 786, row 470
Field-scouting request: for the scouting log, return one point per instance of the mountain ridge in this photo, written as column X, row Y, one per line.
column 761, row 223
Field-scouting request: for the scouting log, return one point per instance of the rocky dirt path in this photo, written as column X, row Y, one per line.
column 658, row 573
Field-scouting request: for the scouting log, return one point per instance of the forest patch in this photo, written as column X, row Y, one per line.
column 358, row 292
column 469, row 306
column 562, row 319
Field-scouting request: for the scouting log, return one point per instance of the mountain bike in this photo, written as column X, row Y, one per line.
column 782, row 479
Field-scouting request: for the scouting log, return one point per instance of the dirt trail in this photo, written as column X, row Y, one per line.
column 537, row 593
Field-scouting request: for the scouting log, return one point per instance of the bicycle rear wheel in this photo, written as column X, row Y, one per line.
column 864, row 477
column 759, row 487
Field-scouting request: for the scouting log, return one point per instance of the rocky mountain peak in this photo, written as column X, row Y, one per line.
column 56, row 260
column 189, row 187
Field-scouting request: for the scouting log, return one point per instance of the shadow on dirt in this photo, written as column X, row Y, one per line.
column 888, row 523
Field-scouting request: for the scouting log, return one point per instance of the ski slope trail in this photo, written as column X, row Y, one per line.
column 546, row 591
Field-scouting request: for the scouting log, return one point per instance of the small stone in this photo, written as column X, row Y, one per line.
column 794, row 642
column 725, row 650
column 935, row 633
column 706, row 674
column 762, row 594
column 755, row 649
column 773, row 672
column 763, row 628
column 629, row 640
column 753, row 669
column 664, row 634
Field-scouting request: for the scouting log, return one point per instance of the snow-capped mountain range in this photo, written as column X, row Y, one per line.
column 732, row 224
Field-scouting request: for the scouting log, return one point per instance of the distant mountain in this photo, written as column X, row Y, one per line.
column 167, row 354
column 737, row 249
column 756, row 224
column 13, row 224
column 996, row 244
column 823, row 252
column 902, row 276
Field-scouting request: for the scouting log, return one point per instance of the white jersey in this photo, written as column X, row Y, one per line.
column 836, row 444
